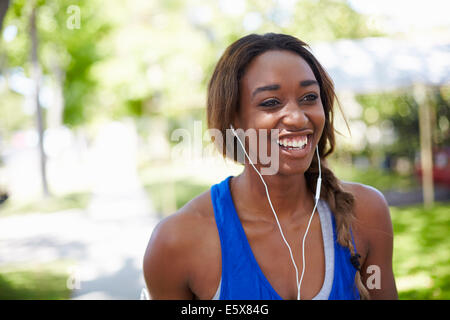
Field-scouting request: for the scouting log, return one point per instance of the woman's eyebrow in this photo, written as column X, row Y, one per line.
column 270, row 87
column 273, row 87
column 306, row 83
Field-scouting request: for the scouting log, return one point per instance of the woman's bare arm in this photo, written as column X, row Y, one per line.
column 165, row 261
column 373, row 220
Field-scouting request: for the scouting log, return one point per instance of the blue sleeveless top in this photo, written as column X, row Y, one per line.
column 242, row 277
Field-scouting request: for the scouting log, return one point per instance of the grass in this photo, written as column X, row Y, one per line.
column 377, row 178
column 77, row 200
column 171, row 185
column 45, row 281
column 422, row 251
column 171, row 196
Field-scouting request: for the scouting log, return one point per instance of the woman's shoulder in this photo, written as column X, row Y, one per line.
column 185, row 225
column 370, row 208
column 174, row 251
column 374, row 237
column 369, row 201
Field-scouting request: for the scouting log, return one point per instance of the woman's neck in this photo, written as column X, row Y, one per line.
column 289, row 195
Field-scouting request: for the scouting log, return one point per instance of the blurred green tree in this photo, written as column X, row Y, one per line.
column 141, row 58
column 66, row 50
column 397, row 111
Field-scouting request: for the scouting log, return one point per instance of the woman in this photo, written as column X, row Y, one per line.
column 241, row 240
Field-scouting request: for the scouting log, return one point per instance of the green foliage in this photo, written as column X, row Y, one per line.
column 440, row 98
column 12, row 118
column 53, row 204
column 327, row 20
column 141, row 58
column 71, row 51
column 182, row 191
column 374, row 177
column 45, row 281
column 422, row 251
column 400, row 111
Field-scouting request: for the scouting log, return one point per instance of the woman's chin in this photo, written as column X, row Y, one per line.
column 289, row 170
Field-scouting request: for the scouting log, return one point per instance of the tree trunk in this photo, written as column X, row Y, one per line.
column 56, row 108
column 426, row 145
column 36, row 75
column 4, row 4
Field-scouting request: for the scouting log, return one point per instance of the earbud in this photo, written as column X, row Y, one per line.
column 316, row 200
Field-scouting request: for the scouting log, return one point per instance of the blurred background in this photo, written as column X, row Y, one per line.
column 102, row 128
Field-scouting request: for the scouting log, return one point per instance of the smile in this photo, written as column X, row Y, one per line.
column 298, row 142
column 296, row 147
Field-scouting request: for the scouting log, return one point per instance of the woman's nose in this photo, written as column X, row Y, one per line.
column 294, row 115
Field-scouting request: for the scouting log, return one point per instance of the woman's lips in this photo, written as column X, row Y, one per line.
column 294, row 146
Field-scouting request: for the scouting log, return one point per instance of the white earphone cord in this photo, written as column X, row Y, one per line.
column 319, row 181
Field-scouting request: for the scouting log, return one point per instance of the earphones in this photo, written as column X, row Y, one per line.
column 316, row 200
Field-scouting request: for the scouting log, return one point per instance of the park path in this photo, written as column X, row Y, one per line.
column 412, row 197
column 107, row 240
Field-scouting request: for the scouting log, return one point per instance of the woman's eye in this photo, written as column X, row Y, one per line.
column 310, row 97
column 269, row 103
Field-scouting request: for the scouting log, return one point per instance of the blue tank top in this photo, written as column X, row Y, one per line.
column 242, row 278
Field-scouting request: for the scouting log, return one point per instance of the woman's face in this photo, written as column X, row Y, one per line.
column 279, row 91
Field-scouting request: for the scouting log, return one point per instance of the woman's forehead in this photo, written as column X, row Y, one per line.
column 276, row 66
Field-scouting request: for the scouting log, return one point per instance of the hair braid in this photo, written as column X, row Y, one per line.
column 341, row 204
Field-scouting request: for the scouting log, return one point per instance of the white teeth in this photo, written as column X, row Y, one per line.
column 294, row 143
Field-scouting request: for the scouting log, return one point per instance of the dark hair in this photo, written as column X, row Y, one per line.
column 223, row 106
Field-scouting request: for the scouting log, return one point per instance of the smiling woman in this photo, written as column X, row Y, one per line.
column 243, row 239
